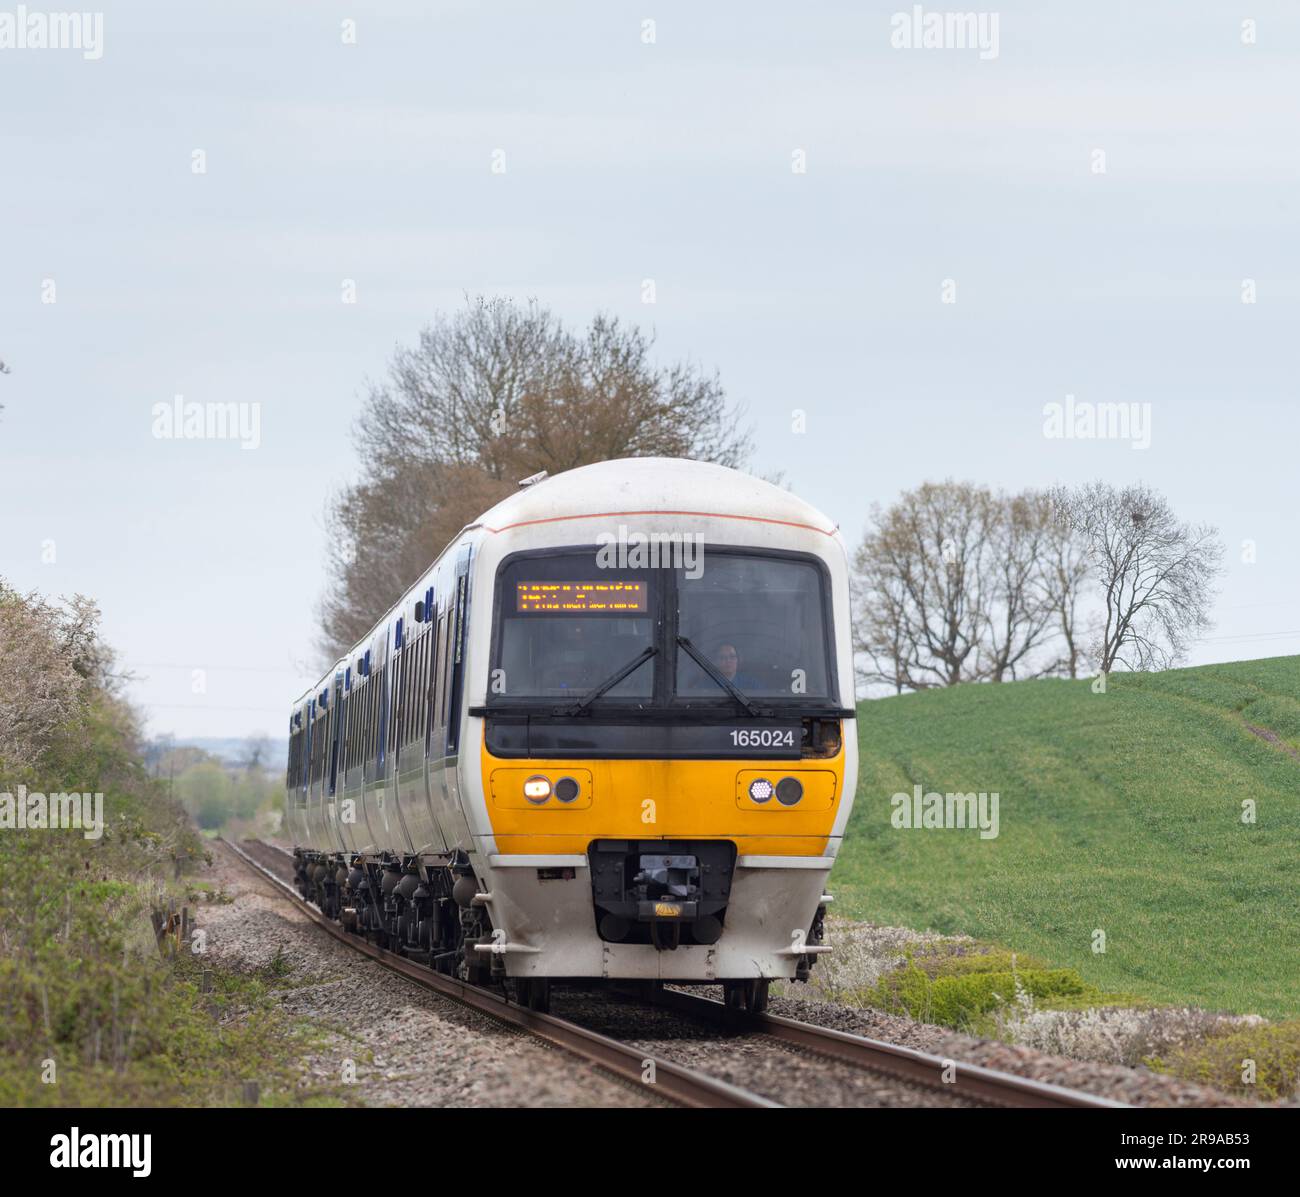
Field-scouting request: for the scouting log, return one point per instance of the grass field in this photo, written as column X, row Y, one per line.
column 1119, row 811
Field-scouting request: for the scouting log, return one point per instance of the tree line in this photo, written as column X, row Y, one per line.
column 953, row 582
column 493, row 393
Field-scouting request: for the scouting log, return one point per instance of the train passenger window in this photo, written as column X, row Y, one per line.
column 566, row 625
column 760, row 621
column 444, row 627
column 372, row 729
column 422, row 722
column 399, row 700
column 423, row 684
column 293, row 756
column 337, row 711
column 382, row 716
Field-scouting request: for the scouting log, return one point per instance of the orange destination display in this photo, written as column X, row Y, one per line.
column 580, row 597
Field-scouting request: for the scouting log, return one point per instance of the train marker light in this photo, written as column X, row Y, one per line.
column 566, row 789
column 789, row 790
column 537, row 789
column 760, row 789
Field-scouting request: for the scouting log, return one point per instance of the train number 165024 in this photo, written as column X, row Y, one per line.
column 762, row 737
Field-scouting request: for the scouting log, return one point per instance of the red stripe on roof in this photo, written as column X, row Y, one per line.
column 713, row 515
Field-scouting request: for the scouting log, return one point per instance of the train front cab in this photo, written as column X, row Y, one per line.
column 648, row 820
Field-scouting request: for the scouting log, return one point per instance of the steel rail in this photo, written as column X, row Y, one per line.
column 683, row 1086
column 973, row 1081
column 985, row 1085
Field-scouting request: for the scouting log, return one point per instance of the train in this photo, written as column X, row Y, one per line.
column 609, row 736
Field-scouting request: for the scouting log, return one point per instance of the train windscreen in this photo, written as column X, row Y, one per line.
column 567, row 626
column 760, row 620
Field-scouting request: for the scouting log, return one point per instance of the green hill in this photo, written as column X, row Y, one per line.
column 1119, row 811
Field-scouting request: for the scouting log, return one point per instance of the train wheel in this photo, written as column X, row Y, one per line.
column 535, row 994
column 749, row 996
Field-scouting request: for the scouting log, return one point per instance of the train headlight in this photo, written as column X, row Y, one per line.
column 537, row 789
column 760, row 789
column 789, row 790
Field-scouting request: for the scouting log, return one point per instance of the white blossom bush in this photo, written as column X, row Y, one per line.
column 48, row 654
column 1114, row 1034
column 864, row 952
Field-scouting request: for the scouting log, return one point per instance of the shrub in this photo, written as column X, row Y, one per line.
column 960, row 991
column 1221, row 1060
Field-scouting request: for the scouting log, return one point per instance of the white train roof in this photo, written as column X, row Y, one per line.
column 627, row 485
column 658, row 484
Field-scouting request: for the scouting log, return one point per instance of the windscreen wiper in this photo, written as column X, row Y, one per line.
column 609, row 683
column 739, row 695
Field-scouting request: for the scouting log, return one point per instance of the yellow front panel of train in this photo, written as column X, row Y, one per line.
column 657, row 799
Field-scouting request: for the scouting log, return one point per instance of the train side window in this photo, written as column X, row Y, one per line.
column 432, row 681
column 347, row 733
column 384, row 701
column 376, row 680
column 368, row 735
column 372, row 745
column 444, row 674
column 418, row 709
column 413, row 692
column 404, row 664
column 363, row 732
column 356, row 739
column 336, row 734
column 399, row 701
column 408, row 693
column 327, row 726
column 424, row 685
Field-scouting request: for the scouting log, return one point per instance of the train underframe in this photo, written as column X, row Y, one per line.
column 430, row 908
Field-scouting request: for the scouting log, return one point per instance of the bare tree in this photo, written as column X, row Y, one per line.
column 921, row 586
column 492, row 394
column 1062, row 576
column 956, row 583
column 1155, row 573
column 256, row 753
column 1019, row 614
column 383, row 532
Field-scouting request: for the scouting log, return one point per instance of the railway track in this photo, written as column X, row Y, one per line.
column 682, row 1086
column 984, row 1086
column 951, row 1082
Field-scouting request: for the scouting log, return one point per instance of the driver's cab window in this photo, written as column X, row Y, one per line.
column 759, row 621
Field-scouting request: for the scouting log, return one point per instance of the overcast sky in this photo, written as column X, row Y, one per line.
column 629, row 159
